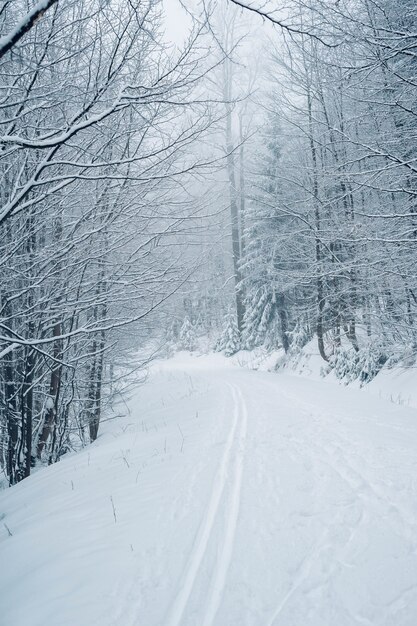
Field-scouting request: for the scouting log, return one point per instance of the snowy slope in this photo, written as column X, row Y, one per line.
column 227, row 497
column 397, row 383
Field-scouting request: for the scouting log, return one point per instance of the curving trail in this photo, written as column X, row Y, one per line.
column 226, row 497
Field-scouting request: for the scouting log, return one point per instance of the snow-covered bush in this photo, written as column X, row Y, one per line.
column 346, row 364
column 372, row 360
column 349, row 365
column 299, row 337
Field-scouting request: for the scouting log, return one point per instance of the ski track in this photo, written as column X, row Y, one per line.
column 283, row 515
column 203, row 539
column 232, row 515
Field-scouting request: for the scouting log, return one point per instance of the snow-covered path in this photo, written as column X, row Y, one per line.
column 227, row 497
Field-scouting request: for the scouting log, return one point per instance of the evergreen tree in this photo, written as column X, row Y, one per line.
column 267, row 264
column 229, row 341
column 187, row 337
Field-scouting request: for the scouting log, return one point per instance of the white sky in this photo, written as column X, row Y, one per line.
column 177, row 21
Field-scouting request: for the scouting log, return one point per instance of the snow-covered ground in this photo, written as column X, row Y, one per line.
column 225, row 497
column 397, row 384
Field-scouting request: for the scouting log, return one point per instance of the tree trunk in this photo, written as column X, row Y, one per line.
column 233, row 195
column 51, row 408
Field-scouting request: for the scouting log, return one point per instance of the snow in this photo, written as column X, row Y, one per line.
column 7, row 39
column 224, row 497
column 398, row 385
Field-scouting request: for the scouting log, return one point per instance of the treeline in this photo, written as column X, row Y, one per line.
column 96, row 120
column 329, row 233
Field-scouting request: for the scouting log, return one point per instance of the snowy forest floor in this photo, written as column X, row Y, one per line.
column 225, row 497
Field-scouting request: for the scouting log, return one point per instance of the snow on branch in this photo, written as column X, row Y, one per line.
column 25, row 24
column 270, row 17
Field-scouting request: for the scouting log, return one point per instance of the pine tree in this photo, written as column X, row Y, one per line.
column 187, row 337
column 229, row 341
column 266, row 265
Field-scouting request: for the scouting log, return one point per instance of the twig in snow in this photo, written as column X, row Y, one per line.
column 8, row 530
column 183, row 438
column 114, row 510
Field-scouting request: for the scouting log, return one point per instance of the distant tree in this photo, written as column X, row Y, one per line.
column 229, row 341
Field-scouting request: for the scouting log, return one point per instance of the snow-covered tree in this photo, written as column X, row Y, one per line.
column 229, row 341
column 187, row 336
column 97, row 122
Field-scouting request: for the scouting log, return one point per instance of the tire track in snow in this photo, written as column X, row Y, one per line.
column 203, row 538
column 232, row 513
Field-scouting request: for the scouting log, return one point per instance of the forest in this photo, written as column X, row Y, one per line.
column 252, row 183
